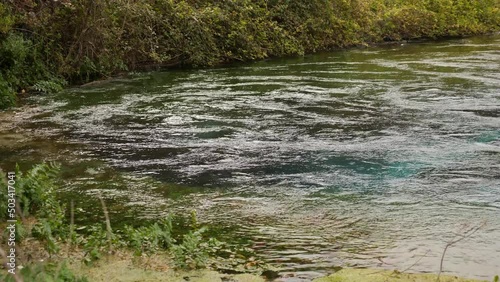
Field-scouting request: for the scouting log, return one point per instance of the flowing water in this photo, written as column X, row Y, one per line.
column 370, row 157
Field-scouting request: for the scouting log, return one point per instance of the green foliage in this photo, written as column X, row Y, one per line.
column 23, row 62
column 191, row 249
column 13, row 53
column 49, row 86
column 145, row 239
column 149, row 239
column 96, row 243
column 44, row 231
column 35, row 193
column 496, row 279
column 7, row 95
column 83, row 40
column 21, row 232
column 6, row 19
column 45, row 272
column 194, row 251
column 408, row 23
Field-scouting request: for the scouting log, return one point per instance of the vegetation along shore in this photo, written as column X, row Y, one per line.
column 51, row 247
column 443, row 135
column 47, row 44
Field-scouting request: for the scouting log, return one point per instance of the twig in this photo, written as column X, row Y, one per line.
column 109, row 232
column 72, row 220
column 3, row 254
column 20, row 212
column 423, row 256
column 402, row 271
column 461, row 237
column 71, row 226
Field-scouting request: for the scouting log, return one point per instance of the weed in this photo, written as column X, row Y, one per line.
column 193, row 252
column 50, row 272
column 148, row 239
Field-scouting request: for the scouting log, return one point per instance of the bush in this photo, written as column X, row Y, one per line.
column 7, row 95
column 45, row 272
column 6, row 19
column 189, row 246
column 35, row 193
column 49, row 86
column 83, row 40
column 194, row 251
column 148, row 239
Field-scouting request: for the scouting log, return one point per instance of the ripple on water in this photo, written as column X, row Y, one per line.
column 332, row 159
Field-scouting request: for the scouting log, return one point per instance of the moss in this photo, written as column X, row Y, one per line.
column 373, row 275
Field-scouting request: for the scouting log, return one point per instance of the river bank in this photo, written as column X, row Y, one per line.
column 33, row 264
column 49, row 246
column 80, row 41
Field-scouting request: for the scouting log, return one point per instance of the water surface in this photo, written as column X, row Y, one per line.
column 367, row 157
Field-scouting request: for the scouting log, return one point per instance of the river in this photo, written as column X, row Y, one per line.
column 368, row 157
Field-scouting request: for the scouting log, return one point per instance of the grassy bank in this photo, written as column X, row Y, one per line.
column 50, row 247
column 45, row 44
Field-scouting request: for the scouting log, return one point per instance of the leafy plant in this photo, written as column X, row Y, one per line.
column 49, row 86
column 22, row 61
column 35, row 192
column 7, row 95
column 193, row 252
column 43, row 231
column 6, row 19
column 35, row 196
column 45, row 272
column 97, row 243
column 148, row 239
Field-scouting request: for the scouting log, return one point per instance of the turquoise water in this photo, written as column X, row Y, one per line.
column 366, row 157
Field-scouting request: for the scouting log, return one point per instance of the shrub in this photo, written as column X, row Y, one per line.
column 50, row 272
column 84, row 40
column 6, row 19
column 7, row 95
column 148, row 239
column 49, row 86
column 193, row 252
column 35, row 193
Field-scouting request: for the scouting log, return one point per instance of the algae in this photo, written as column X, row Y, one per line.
column 374, row 275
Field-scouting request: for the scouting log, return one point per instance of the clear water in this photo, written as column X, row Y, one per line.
column 367, row 157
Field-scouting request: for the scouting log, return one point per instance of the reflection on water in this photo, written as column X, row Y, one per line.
column 334, row 159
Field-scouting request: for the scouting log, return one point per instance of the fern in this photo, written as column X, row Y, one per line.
column 35, row 193
column 193, row 252
column 49, row 86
